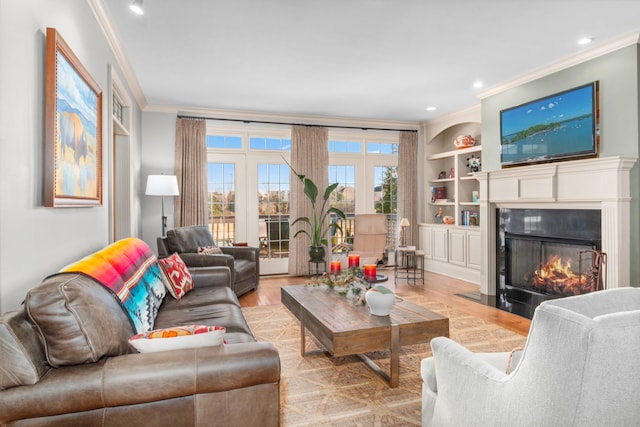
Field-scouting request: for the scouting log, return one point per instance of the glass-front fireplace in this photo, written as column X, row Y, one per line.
column 544, row 254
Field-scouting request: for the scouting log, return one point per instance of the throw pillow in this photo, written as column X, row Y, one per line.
column 178, row 279
column 190, row 336
column 209, row 250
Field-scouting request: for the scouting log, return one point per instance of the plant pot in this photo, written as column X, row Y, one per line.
column 316, row 253
column 379, row 304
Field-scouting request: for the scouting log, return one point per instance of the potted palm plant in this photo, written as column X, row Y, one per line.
column 318, row 226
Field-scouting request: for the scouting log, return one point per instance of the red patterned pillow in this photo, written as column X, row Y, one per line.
column 178, row 279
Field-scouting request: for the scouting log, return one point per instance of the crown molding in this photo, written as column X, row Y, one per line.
column 249, row 116
column 106, row 25
column 471, row 114
column 578, row 58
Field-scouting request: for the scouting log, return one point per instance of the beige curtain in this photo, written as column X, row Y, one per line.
column 190, row 207
column 408, row 183
column 310, row 157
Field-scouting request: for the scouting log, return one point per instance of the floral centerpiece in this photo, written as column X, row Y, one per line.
column 349, row 284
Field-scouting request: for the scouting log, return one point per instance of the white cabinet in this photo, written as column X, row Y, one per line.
column 474, row 249
column 452, row 250
column 457, row 247
column 440, row 244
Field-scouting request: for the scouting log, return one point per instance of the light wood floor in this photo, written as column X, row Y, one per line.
column 437, row 287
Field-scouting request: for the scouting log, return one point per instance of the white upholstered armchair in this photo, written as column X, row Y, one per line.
column 580, row 367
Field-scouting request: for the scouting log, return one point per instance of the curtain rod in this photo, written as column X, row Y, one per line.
column 180, row 116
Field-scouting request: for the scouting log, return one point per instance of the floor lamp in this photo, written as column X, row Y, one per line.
column 162, row 185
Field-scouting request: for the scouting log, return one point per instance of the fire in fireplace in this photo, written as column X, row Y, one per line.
column 545, row 254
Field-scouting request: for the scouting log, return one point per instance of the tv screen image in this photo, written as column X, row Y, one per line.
column 560, row 126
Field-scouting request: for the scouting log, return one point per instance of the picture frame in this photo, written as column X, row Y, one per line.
column 73, row 129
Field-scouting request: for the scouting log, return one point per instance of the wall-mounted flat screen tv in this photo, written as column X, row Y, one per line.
column 562, row 126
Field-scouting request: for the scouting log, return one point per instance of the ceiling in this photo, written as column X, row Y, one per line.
column 360, row 59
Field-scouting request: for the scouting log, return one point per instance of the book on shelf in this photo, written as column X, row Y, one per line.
column 438, row 193
column 469, row 218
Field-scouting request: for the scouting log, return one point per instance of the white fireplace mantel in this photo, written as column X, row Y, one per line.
column 600, row 183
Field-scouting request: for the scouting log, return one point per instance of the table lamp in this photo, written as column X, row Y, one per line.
column 162, row 185
column 404, row 223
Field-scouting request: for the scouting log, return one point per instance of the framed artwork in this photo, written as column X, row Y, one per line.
column 73, row 129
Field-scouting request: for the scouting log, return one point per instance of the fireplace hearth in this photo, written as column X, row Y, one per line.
column 545, row 254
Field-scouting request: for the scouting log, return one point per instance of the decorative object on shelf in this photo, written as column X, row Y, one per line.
column 473, row 163
column 448, row 219
column 442, row 175
column 318, row 227
column 452, row 173
column 464, row 141
column 162, row 185
column 438, row 193
column 380, row 300
column 440, row 216
column 404, row 223
column 475, row 196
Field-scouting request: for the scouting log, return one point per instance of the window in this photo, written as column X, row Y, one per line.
column 260, row 143
column 273, row 209
column 382, row 148
column 221, row 202
column 344, row 147
column 221, row 141
column 343, row 198
column 386, row 189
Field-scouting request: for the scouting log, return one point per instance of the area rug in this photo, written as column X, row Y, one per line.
column 322, row 390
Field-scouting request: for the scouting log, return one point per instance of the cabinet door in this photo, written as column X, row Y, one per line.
column 457, row 247
column 474, row 249
column 440, row 244
column 426, row 243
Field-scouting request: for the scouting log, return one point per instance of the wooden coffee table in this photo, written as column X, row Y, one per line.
column 345, row 329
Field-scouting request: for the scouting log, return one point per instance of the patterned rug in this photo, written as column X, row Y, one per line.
column 321, row 390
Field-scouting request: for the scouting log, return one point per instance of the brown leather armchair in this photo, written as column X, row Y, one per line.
column 243, row 261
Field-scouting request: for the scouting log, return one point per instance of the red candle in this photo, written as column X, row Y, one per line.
column 335, row 267
column 354, row 260
column 369, row 271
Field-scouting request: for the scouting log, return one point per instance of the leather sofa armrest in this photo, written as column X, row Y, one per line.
column 211, row 276
column 249, row 253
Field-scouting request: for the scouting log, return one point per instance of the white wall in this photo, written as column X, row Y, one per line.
column 37, row 241
column 158, row 155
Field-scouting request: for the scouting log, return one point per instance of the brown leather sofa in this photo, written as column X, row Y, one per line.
column 243, row 261
column 235, row 384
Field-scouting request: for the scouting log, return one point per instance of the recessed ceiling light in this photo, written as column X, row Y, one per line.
column 432, row 108
column 478, row 84
column 136, row 7
column 585, row 40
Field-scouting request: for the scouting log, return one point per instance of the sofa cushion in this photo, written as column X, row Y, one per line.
column 188, row 239
column 178, row 280
column 22, row 360
column 78, row 320
column 177, row 337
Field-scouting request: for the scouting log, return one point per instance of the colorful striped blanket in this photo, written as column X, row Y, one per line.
column 128, row 268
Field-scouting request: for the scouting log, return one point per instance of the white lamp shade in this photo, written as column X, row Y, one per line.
column 162, row 185
column 404, row 222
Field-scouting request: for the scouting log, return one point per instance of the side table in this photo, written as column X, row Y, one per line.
column 409, row 264
column 317, row 270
